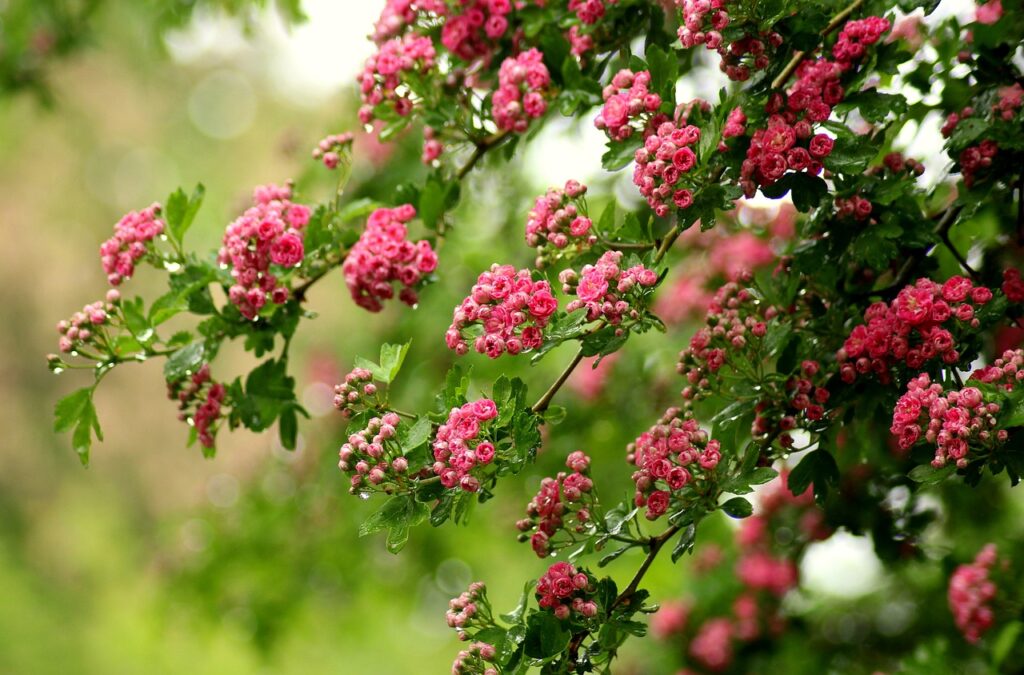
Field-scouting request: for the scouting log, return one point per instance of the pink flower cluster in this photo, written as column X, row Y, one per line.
column 470, row 33
column 590, row 379
column 383, row 73
column 957, row 422
column 399, row 14
column 510, row 306
column 896, row 163
column 269, row 232
column 372, row 457
column 971, row 592
column 628, row 104
column 556, row 220
column 789, row 143
column 566, row 591
column 712, row 646
column 989, row 12
column 914, row 329
column 522, row 84
column 461, row 444
column 432, row 146
column 734, row 317
column 976, row 158
column 358, row 386
column 664, row 160
column 953, row 119
column 79, row 330
column 606, row 291
column 464, row 609
column 1011, row 98
column 590, row 11
column 666, row 456
column 560, row 499
column 383, row 256
column 735, row 125
column 1013, row 285
column 207, row 397
column 131, row 235
column 703, row 23
column 856, row 36
column 330, row 148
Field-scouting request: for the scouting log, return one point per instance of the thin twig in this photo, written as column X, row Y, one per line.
column 798, row 56
column 542, row 404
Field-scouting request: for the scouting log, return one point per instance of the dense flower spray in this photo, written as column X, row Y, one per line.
column 270, row 233
column 384, row 256
column 132, row 236
column 971, row 592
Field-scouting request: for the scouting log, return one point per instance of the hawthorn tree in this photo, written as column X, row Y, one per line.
column 857, row 355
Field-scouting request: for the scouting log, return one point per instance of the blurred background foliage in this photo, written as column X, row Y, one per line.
column 156, row 560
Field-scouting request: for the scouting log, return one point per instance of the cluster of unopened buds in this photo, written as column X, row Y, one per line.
column 734, row 319
column 1011, row 98
column 556, row 220
column 357, row 390
column 373, row 456
column 628, row 105
column 856, row 36
column 84, row 328
column 382, row 77
column 474, row 26
column 522, row 84
column 590, row 11
column 854, row 206
column 462, row 445
column 331, row 149
column 269, row 232
column 566, row 591
column 959, row 423
column 132, row 235
column 976, row 158
column 384, row 256
column 896, row 163
column 199, row 400
column 667, row 457
column 953, row 119
column 1013, row 285
column 470, row 610
column 1006, row 371
column 917, row 327
column 477, row 659
column 971, row 592
column 662, row 163
column 801, row 403
column 606, row 291
column 510, row 306
column 562, row 503
column 703, row 23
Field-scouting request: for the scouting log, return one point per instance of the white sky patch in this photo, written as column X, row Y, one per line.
column 842, row 566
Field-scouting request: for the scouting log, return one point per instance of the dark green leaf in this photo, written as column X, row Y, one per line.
column 545, row 635
column 738, row 507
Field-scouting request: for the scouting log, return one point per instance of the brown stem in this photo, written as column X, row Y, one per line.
column 542, row 404
column 479, row 150
column 798, row 56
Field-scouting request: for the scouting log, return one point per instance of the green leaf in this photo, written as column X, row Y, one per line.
column 412, row 436
column 619, row 153
column 807, row 191
column 545, row 635
column 685, row 543
column 391, row 359
column 394, row 511
column 874, row 106
column 1005, row 641
column 738, row 507
column 613, row 555
column 181, row 211
column 929, row 475
column 851, row 155
column 516, row 614
column 136, row 321
column 818, row 468
column 184, row 361
column 288, row 428
column 268, row 392
column 76, row 413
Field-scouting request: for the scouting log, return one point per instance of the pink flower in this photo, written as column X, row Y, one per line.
column 989, row 12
